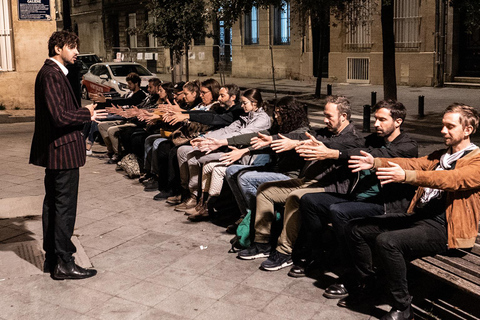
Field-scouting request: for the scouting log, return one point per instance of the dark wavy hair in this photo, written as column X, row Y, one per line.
column 168, row 87
column 61, row 39
column 134, row 78
column 233, row 90
column 397, row 109
column 292, row 113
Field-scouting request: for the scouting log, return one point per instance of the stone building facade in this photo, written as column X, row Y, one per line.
column 23, row 49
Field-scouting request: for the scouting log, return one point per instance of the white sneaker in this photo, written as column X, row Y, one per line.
column 89, row 152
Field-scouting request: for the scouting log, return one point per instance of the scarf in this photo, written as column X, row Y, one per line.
column 446, row 162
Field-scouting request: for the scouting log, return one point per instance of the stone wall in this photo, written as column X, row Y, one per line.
column 30, row 51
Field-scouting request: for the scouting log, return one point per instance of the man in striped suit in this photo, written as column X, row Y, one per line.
column 59, row 146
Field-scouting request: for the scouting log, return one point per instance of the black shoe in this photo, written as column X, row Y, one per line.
column 69, row 270
column 394, row 314
column 277, row 261
column 336, row 291
column 257, row 250
column 150, row 185
column 162, row 195
column 298, row 269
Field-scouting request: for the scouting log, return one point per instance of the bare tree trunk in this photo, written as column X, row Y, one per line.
column 172, row 65
column 187, row 64
column 389, row 74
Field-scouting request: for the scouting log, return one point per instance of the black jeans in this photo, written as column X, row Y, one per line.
column 318, row 209
column 396, row 240
column 59, row 213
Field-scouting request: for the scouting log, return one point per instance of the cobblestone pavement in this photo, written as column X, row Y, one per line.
column 149, row 257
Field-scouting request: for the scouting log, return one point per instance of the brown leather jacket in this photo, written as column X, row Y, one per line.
column 462, row 190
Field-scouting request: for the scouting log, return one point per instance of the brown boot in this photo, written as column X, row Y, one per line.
column 187, row 204
column 201, row 215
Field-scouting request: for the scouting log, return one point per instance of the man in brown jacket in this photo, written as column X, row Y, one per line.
column 443, row 214
column 59, row 146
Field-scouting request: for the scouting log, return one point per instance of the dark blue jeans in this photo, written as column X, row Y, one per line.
column 396, row 240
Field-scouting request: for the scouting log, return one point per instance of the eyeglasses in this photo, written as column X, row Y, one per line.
column 204, row 92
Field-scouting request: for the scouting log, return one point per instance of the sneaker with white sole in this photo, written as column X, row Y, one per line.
column 256, row 251
column 277, row 261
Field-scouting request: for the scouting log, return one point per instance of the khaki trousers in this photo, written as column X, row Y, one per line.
column 288, row 193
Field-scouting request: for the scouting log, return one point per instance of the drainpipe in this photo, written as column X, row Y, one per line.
column 440, row 38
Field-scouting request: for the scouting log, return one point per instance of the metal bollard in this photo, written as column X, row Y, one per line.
column 373, row 98
column 366, row 118
column 329, row 89
column 421, row 106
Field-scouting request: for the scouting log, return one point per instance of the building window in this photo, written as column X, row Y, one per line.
column 6, row 45
column 281, row 24
column 152, row 41
column 251, row 27
column 407, row 24
column 359, row 23
column 132, row 23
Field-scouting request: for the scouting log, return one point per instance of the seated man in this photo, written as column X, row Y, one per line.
column 365, row 199
column 388, row 141
column 317, row 175
column 443, row 214
column 136, row 96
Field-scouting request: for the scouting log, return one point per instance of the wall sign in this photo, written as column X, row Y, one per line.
column 34, row 10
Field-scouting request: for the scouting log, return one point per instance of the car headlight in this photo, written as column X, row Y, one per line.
column 122, row 86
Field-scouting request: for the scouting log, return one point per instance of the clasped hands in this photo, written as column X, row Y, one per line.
column 394, row 173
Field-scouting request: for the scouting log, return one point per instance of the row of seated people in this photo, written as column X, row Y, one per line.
column 376, row 194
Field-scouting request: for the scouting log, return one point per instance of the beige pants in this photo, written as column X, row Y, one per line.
column 289, row 193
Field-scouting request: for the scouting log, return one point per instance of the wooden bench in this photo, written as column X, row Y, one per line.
column 458, row 268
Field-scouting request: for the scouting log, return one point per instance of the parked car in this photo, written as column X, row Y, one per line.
column 109, row 78
column 86, row 60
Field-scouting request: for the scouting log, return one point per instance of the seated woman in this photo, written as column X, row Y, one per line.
column 289, row 117
column 190, row 160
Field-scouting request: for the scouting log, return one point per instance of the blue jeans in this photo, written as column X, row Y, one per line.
column 150, row 147
column 244, row 184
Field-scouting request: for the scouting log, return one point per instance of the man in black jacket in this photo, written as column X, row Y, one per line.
column 367, row 197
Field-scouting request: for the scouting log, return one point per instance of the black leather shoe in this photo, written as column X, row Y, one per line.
column 394, row 314
column 69, row 270
column 162, row 195
column 336, row 291
column 298, row 269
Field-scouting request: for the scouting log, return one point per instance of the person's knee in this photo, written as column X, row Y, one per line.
column 386, row 243
column 338, row 214
column 306, row 202
column 353, row 231
column 231, row 170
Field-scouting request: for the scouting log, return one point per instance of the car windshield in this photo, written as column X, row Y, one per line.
column 89, row 59
column 125, row 69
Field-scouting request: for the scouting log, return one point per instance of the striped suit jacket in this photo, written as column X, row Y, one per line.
column 58, row 142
